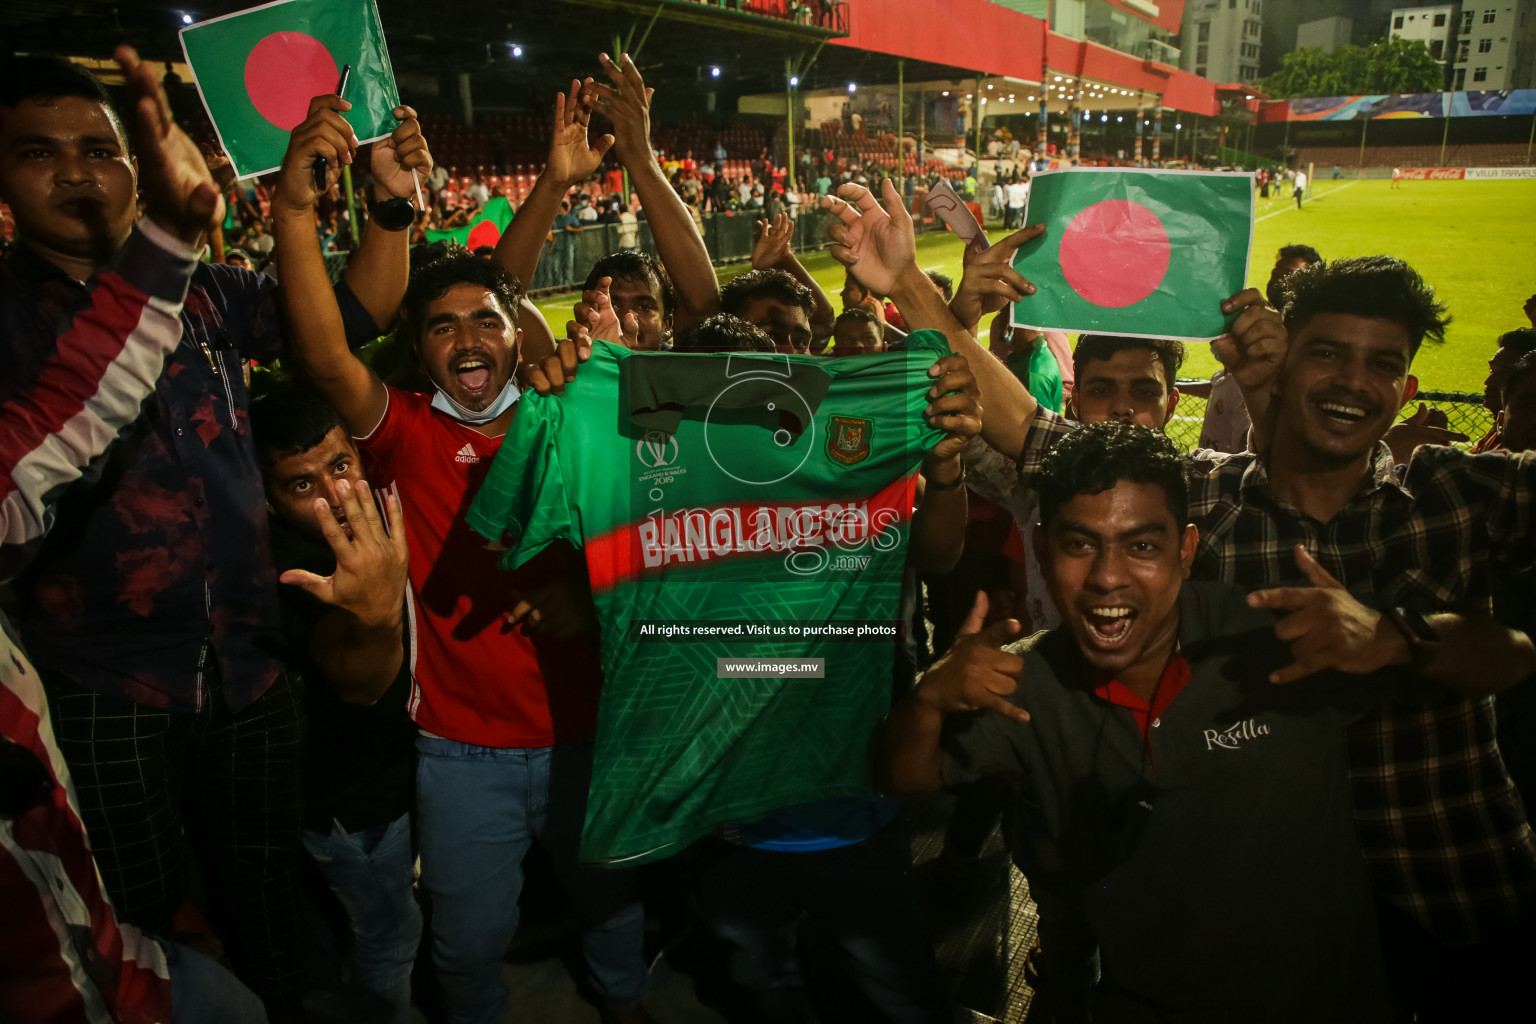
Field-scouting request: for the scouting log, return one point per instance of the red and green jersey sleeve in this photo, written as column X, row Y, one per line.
column 739, row 498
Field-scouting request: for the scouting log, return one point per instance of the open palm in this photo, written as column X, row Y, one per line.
column 875, row 244
column 572, row 157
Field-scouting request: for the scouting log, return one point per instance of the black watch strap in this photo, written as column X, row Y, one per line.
column 393, row 214
column 934, row 485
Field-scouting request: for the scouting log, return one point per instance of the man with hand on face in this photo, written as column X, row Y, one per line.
column 1187, row 815
column 163, row 559
column 343, row 593
column 506, row 714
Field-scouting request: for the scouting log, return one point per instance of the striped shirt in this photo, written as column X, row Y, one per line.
column 1442, row 826
column 64, row 957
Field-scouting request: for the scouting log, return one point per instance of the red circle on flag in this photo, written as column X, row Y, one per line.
column 1115, row 253
column 484, row 233
column 284, row 72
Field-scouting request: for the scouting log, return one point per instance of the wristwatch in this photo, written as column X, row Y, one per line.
column 1423, row 642
column 393, row 214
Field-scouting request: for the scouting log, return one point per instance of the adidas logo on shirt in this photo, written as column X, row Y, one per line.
column 466, row 454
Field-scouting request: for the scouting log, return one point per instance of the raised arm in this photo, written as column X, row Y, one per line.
column 572, row 159
column 938, row 525
column 878, row 245
column 378, row 271
column 679, row 246
column 1252, row 352
column 316, row 337
column 771, row 252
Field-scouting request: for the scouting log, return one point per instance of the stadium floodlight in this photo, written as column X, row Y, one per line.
column 1119, row 119
column 853, row 86
column 186, row 19
column 714, row 72
column 1103, row 117
column 516, row 50
column 1178, row 127
column 989, row 85
column 794, row 80
column 1058, row 78
column 946, row 92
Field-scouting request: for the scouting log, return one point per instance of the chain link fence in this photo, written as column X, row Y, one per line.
column 1464, row 413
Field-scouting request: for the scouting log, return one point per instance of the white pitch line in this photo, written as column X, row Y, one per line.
column 1289, row 208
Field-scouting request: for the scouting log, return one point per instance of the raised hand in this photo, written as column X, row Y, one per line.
column 179, row 191
column 954, row 407
column 627, row 103
column 976, row 674
column 550, row 376
column 572, row 157
column 876, row 244
column 1254, row 347
column 1327, row 628
column 1427, row 426
column 771, row 243
column 394, row 158
column 371, row 564
column 990, row 282
column 324, row 133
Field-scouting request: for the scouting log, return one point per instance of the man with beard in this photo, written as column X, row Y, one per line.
column 1186, row 815
column 1451, row 855
column 1226, row 424
column 1512, row 346
column 175, row 715
column 506, row 715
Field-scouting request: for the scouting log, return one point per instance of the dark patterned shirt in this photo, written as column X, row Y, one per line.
column 160, row 559
column 1442, row 826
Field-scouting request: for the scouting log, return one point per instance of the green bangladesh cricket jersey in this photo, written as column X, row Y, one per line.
column 732, row 506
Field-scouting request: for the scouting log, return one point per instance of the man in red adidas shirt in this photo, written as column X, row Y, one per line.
column 506, row 715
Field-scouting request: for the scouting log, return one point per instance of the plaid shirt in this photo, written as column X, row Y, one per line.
column 1442, row 826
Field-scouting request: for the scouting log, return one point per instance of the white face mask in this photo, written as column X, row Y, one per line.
column 504, row 401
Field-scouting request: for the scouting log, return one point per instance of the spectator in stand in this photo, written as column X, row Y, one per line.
column 1226, row 424
column 1000, row 200
column 259, row 241
column 1512, row 347
column 744, row 191
column 587, row 213
column 563, row 233
column 177, row 716
column 237, row 258
column 504, row 749
column 436, row 182
column 477, row 194
column 823, row 183
column 343, row 594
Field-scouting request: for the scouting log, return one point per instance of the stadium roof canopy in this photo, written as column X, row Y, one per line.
column 677, row 41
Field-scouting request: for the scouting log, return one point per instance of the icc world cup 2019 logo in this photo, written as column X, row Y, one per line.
column 656, row 450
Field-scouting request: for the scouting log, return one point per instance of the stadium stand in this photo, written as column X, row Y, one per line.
column 1477, row 154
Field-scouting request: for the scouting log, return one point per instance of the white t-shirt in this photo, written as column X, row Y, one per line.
column 1018, row 195
column 1301, row 181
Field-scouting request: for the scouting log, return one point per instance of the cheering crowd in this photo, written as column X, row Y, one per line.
column 1255, row 767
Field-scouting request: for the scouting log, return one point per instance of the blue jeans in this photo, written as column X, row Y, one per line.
column 371, row 873
column 479, row 808
column 203, row 991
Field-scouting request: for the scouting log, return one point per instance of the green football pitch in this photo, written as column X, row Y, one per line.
column 1471, row 240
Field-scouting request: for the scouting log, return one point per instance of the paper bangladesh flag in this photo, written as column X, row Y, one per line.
column 485, row 229
column 258, row 69
column 1137, row 252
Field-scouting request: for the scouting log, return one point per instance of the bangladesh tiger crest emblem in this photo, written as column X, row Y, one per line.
column 848, row 440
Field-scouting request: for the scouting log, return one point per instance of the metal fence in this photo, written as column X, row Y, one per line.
column 1464, row 412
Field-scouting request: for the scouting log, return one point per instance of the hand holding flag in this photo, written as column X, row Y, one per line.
column 324, row 134
column 398, row 155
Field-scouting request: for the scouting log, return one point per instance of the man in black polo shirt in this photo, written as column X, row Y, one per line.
column 1190, row 816
column 343, row 600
